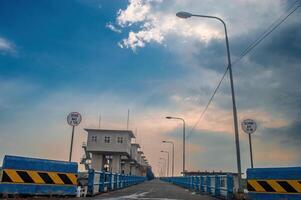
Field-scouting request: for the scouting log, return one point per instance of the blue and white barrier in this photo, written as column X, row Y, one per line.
column 31, row 176
column 99, row 181
column 274, row 183
column 213, row 185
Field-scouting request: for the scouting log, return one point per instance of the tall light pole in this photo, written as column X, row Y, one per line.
column 173, row 156
column 187, row 15
column 160, row 169
column 169, row 117
column 167, row 161
column 164, row 163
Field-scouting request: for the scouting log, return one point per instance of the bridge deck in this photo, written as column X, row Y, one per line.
column 155, row 189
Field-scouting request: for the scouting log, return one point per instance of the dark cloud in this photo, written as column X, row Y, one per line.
column 287, row 136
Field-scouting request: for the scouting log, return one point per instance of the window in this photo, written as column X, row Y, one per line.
column 94, row 138
column 107, row 139
column 120, row 140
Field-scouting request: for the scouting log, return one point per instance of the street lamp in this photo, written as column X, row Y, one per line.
column 160, row 169
column 185, row 15
column 164, row 162
column 167, row 161
column 173, row 155
column 169, row 117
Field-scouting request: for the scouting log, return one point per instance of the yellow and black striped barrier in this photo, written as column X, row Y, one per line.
column 274, row 183
column 32, row 176
column 274, row 186
column 38, row 177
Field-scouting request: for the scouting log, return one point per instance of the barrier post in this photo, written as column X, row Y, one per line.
column 230, row 185
column 115, row 181
column 208, row 184
column 197, row 184
column 91, row 181
column 217, row 188
column 202, row 184
column 110, row 181
column 102, row 182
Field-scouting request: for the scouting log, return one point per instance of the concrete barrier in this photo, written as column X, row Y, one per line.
column 221, row 186
column 99, row 181
column 274, row 183
column 31, row 176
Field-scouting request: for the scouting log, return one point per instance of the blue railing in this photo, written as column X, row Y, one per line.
column 99, row 181
column 213, row 185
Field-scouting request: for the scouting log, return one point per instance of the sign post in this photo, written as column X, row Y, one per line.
column 73, row 119
column 249, row 126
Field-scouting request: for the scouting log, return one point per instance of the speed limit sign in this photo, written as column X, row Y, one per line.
column 74, row 118
column 249, row 126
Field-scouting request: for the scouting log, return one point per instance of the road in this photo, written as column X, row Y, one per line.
column 155, row 189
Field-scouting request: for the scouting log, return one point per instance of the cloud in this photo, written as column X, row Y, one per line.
column 136, row 11
column 6, row 46
column 113, row 28
column 156, row 20
column 155, row 25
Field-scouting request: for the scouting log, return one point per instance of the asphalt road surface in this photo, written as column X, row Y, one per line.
column 154, row 189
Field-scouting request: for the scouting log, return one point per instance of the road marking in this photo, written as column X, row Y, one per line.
column 135, row 196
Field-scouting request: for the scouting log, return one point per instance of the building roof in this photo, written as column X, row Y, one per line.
column 111, row 131
column 140, row 152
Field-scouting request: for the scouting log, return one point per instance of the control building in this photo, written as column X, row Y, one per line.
column 112, row 150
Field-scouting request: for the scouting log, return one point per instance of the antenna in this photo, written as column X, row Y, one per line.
column 136, row 135
column 128, row 120
column 99, row 120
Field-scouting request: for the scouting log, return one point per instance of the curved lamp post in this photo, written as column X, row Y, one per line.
column 173, row 155
column 185, row 15
column 164, row 162
column 169, row 117
column 167, row 161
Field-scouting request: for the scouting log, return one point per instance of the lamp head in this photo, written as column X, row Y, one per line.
column 164, row 141
column 183, row 15
column 168, row 117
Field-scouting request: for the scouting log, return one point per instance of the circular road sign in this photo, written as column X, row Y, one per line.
column 74, row 118
column 249, row 126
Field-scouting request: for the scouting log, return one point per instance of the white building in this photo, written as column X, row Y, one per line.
column 108, row 145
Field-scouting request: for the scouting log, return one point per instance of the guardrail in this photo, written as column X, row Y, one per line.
column 221, row 186
column 99, row 181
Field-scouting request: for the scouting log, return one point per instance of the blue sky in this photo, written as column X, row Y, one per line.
column 106, row 57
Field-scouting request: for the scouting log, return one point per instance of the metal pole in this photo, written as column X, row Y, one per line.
column 71, row 145
column 233, row 100
column 184, row 136
column 183, row 146
column 164, row 165
column 167, row 163
column 173, row 155
column 128, row 120
column 173, row 158
column 234, row 114
column 251, row 152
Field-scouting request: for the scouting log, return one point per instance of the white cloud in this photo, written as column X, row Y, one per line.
column 6, row 46
column 113, row 28
column 136, row 11
column 156, row 19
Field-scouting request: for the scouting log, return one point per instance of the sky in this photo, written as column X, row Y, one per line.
column 101, row 58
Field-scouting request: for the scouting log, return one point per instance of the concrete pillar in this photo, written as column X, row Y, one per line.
column 116, row 166
column 127, row 167
column 134, row 170
column 97, row 161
